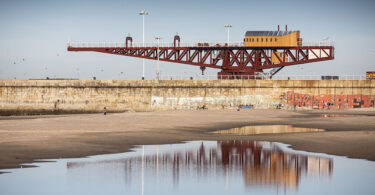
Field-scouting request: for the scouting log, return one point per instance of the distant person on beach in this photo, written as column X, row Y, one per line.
column 105, row 111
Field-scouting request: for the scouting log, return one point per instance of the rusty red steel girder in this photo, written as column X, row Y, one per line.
column 232, row 60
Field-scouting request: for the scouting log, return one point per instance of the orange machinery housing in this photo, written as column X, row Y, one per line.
column 273, row 39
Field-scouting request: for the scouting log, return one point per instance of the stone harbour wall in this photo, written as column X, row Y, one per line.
column 86, row 96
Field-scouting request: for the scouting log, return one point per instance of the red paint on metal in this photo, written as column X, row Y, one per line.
column 175, row 40
column 127, row 40
column 233, row 61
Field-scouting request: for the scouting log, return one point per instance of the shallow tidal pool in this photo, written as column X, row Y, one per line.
column 267, row 129
column 199, row 167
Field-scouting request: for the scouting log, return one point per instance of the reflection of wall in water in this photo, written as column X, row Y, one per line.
column 317, row 166
column 261, row 163
column 264, row 129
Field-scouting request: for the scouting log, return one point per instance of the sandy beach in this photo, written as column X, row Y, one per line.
column 24, row 139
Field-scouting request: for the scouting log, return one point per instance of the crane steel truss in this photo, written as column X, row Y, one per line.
column 234, row 61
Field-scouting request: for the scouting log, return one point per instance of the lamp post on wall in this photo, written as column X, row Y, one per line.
column 228, row 26
column 143, row 13
column 158, row 65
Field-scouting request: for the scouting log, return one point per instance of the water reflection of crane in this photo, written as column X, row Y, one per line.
column 260, row 163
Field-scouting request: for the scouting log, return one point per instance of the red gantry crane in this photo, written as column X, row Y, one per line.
column 235, row 60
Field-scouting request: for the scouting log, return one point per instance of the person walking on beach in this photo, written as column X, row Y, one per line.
column 105, row 111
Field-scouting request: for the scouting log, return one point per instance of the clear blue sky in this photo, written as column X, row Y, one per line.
column 34, row 34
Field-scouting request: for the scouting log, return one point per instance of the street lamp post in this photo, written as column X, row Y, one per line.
column 228, row 26
column 158, row 65
column 143, row 13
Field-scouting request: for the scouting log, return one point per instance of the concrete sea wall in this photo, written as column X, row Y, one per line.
column 85, row 96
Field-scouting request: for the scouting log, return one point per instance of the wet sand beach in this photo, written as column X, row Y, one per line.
column 24, row 139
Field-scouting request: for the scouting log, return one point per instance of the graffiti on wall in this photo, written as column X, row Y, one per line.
column 335, row 101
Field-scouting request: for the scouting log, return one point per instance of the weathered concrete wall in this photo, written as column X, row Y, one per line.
column 118, row 96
